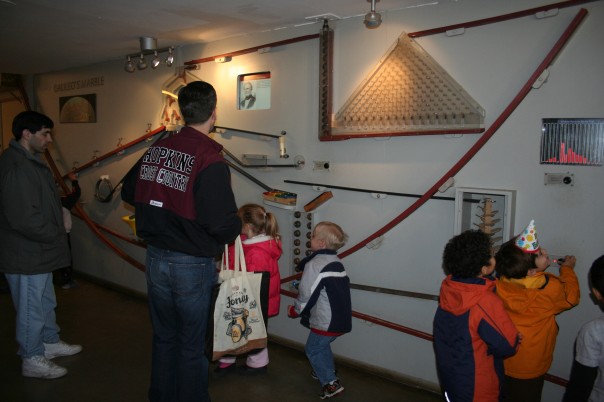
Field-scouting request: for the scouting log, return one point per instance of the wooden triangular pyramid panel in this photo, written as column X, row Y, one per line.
column 408, row 92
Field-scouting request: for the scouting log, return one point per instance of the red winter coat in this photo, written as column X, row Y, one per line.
column 472, row 335
column 261, row 254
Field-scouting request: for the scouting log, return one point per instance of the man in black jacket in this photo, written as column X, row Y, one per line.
column 185, row 211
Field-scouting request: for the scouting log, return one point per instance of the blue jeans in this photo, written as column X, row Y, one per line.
column 318, row 351
column 35, row 301
column 179, row 289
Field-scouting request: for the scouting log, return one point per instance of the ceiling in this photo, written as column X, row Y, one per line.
column 38, row 36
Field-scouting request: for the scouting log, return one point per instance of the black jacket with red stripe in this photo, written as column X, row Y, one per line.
column 181, row 191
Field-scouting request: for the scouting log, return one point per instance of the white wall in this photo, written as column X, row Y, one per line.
column 491, row 63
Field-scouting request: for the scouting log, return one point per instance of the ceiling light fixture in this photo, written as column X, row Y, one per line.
column 170, row 58
column 142, row 64
column 129, row 67
column 372, row 19
column 148, row 46
column 155, row 62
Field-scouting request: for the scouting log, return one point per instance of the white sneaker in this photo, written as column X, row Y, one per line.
column 41, row 367
column 52, row 350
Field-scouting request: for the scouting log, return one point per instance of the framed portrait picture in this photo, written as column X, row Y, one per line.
column 254, row 91
column 78, row 109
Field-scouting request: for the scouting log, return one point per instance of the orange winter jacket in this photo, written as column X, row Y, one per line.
column 532, row 303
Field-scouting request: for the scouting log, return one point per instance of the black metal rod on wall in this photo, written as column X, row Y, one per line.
column 363, row 190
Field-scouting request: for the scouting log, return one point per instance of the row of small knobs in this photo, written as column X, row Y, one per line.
column 298, row 241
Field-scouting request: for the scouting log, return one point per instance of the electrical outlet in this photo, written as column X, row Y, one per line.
column 321, row 165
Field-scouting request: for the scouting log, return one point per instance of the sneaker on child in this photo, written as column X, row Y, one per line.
column 52, row 350
column 41, row 367
column 331, row 390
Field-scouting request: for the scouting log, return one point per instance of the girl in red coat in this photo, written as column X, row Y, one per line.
column 262, row 249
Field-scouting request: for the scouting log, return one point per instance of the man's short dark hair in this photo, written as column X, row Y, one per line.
column 32, row 121
column 596, row 275
column 466, row 254
column 512, row 262
column 197, row 101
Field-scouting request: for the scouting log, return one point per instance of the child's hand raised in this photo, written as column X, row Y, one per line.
column 569, row 261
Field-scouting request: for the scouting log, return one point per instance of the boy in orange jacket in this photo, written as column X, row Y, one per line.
column 532, row 298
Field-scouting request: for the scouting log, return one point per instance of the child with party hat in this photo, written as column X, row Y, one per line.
column 532, row 298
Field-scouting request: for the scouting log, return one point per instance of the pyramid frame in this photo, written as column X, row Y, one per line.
column 407, row 93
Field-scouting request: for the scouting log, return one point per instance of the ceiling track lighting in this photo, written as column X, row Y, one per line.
column 148, row 46
column 155, row 61
column 142, row 64
column 170, row 58
column 129, row 66
column 372, row 19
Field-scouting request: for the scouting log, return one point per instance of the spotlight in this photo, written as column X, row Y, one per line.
column 148, row 47
column 170, row 58
column 155, row 62
column 372, row 19
column 142, row 64
column 129, row 67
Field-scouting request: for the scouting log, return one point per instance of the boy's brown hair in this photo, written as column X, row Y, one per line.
column 512, row 262
column 596, row 275
column 332, row 234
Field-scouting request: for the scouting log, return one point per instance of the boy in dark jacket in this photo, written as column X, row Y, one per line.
column 472, row 331
column 323, row 303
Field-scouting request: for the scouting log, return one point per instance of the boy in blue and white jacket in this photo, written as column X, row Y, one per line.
column 323, row 303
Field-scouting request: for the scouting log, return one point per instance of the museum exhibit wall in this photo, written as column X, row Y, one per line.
column 491, row 62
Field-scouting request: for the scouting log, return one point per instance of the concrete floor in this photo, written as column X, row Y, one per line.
column 114, row 366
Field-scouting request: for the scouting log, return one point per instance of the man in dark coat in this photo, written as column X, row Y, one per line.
column 34, row 244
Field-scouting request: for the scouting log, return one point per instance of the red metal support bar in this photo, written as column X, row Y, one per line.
column 379, row 321
column 252, row 49
column 120, row 149
column 549, row 58
column 114, row 233
column 80, row 211
column 291, row 278
column 504, row 17
column 342, row 137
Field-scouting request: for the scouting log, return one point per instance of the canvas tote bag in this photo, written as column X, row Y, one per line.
column 239, row 325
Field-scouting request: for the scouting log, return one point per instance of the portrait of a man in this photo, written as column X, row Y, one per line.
column 248, row 97
column 254, row 91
